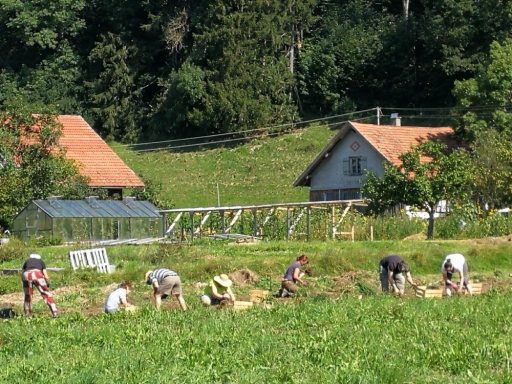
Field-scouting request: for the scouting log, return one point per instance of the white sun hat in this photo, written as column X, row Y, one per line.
column 223, row 280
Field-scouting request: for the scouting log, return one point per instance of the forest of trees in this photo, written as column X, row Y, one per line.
column 140, row 70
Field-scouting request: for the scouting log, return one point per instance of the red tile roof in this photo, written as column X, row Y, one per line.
column 95, row 159
column 392, row 141
column 388, row 140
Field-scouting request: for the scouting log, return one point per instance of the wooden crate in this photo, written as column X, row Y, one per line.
column 242, row 305
column 476, row 288
column 424, row 291
column 258, row 295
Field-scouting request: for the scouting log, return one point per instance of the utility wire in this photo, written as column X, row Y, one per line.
column 476, row 107
column 304, row 122
column 300, row 124
column 208, row 143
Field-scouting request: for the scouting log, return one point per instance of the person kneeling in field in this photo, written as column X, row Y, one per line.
column 218, row 291
column 292, row 276
column 119, row 297
column 165, row 282
column 392, row 269
column 455, row 262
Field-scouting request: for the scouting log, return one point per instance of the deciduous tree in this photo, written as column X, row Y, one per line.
column 32, row 164
column 428, row 174
column 488, row 124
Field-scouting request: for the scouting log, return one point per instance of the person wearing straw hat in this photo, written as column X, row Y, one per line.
column 34, row 274
column 218, row 291
column 165, row 282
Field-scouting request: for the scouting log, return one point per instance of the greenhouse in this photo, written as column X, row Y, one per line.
column 88, row 220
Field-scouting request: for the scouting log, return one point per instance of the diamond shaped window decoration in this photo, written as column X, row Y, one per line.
column 355, row 146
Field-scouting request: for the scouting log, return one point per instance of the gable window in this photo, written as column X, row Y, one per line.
column 354, row 165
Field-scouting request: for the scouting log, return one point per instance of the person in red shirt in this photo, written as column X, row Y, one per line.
column 34, row 274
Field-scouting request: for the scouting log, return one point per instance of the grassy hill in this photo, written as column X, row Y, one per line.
column 259, row 172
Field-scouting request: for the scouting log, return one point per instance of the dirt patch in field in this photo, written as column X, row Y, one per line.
column 16, row 299
column 244, row 276
column 416, row 237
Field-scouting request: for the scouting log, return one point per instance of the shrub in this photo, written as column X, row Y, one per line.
column 396, row 227
column 14, row 250
column 46, row 241
column 449, row 227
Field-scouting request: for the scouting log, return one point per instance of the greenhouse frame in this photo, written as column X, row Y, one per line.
column 88, row 220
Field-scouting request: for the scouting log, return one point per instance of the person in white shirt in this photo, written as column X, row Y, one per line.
column 118, row 297
column 455, row 263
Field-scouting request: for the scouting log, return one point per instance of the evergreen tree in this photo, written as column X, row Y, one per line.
column 111, row 88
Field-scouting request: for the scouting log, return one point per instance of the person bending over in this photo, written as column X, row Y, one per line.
column 34, row 274
column 392, row 270
column 455, row 263
column 165, row 282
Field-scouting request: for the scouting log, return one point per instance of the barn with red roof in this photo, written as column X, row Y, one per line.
column 95, row 159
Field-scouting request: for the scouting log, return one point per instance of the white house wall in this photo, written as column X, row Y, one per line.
column 329, row 174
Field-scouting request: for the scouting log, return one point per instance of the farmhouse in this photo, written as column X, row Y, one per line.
column 88, row 220
column 95, row 159
column 338, row 172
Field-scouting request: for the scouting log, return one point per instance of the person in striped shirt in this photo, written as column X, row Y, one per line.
column 165, row 282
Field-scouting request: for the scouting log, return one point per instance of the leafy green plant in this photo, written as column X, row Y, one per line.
column 45, row 241
column 15, row 249
column 10, row 284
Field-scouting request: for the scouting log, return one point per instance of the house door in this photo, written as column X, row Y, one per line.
column 31, row 222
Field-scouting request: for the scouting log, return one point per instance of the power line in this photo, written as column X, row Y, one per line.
column 475, row 107
column 208, row 143
column 303, row 122
column 264, row 131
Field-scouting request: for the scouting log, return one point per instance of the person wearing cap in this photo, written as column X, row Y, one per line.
column 392, row 269
column 34, row 274
column 119, row 297
column 292, row 276
column 452, row 263
column 218, row 291
column 165, row 282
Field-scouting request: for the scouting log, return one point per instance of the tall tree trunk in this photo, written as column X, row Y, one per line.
column 430, row 229
column 405, row 4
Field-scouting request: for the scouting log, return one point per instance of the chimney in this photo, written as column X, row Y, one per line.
column 396, row 120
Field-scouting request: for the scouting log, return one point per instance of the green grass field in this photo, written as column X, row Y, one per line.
column 339, row 329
